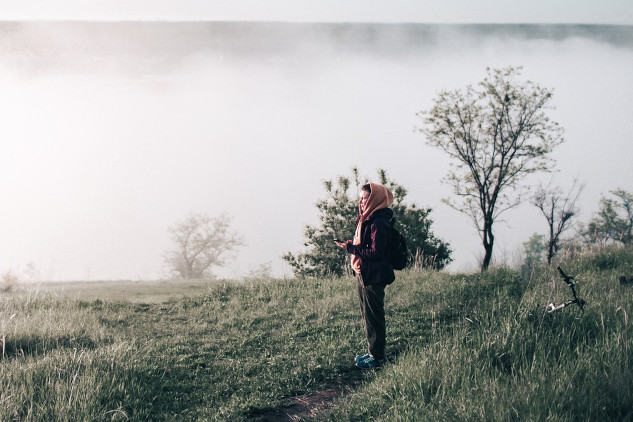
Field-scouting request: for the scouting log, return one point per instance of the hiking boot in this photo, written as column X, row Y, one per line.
column 369, row 363
column 362, row 358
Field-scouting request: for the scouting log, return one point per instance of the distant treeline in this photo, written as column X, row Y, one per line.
column 50, row 41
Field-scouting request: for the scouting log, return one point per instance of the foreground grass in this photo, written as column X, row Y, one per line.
column 461, row 347
column 227, row 354
column 506, row 360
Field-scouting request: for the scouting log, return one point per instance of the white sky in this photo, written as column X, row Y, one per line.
column 425, row 11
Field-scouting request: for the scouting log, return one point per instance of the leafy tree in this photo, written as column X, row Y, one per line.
column 9, row 281
column 337, row 213
column 558, row 209
column 614, row 220
column 533, row 255
column 497, row 134
column 262, row 272
column 201, row 243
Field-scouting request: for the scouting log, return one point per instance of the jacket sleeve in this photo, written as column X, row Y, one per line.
column 376, row 248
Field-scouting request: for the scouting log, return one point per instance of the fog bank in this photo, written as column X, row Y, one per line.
column 114, row 131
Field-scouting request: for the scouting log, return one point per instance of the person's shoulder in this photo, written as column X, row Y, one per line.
column 383, row 216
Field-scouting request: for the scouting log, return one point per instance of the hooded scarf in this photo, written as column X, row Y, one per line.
column 379, row 198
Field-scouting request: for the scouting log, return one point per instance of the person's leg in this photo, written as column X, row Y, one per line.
column 361, row 297
column 362, row 300
column 374, row 319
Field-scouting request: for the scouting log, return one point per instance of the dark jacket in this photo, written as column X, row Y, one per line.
column 374, row 239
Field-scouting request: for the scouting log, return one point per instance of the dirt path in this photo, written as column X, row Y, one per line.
column 313, row 405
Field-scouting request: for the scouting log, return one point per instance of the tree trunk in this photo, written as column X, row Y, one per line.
column 488, row 241
column 551, row 245
column 550, row 253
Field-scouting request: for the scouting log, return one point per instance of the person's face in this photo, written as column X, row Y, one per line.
column 364, row 197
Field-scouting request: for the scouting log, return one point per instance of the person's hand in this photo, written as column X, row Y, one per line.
column 342, row 245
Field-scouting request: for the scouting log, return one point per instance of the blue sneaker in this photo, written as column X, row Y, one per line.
column 369, row 363
column 362, row 358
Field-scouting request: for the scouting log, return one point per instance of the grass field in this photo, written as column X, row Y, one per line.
column 132, row 291
column 460, row 347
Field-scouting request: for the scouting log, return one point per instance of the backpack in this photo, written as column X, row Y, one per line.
column 397, row 251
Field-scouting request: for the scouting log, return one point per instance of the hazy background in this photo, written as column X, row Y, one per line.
column 394, row 11
column 112, row 131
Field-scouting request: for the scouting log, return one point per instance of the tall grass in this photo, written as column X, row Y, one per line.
column 460, row 347
column 507, row 360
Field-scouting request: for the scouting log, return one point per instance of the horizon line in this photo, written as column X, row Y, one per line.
column 74, row 20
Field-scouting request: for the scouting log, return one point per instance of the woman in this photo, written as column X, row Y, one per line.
column 373, row 271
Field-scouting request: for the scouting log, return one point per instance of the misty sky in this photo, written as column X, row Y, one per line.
column 112, row 132
column 425, row 11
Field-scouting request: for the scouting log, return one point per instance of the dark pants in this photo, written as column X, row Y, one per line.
column 372, row 308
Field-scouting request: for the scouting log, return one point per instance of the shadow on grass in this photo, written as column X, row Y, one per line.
column 38, row 346
column 165, row 393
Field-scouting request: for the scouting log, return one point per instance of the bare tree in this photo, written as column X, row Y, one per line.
column 201, row 242
column 497, row 134
column 558, row 209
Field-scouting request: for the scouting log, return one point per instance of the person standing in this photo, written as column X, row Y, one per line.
column 372, row 269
